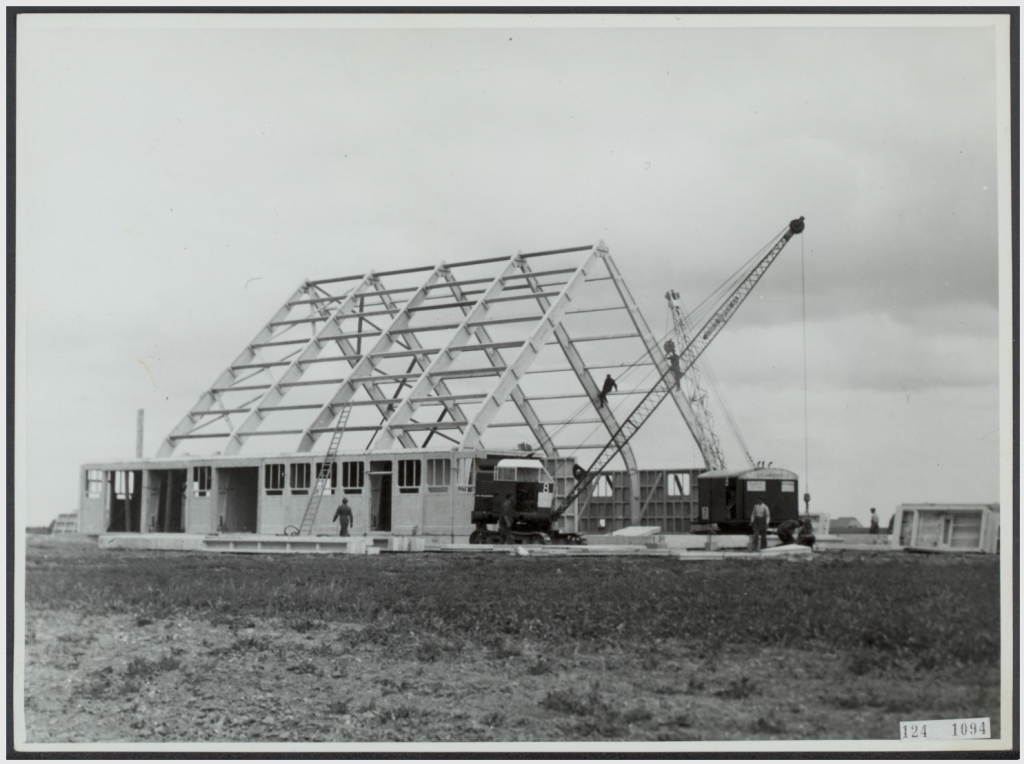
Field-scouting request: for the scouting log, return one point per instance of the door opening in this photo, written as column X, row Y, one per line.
column 238, row 499
column 125, row 503
column 383, row 513
column 380, row 495
column 170, row 488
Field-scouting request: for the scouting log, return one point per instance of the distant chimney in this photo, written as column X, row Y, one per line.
column 138, row 435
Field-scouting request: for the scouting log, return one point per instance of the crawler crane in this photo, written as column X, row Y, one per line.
column 539, row 526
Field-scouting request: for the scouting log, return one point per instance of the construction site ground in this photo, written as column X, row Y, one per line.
column 133, row 646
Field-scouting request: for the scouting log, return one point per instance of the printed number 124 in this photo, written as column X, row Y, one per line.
column 913, row 730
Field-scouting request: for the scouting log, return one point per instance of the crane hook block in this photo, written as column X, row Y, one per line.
column 797, row 226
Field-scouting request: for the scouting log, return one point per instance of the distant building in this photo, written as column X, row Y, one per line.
column 948, row 527
column 65, row 523
column 844, row 524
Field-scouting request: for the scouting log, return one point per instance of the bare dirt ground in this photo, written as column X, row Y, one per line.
column 160, row 647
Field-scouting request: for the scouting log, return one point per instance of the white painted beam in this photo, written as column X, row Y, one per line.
column 522, row 403
column 226, row 377
column 655, row 352
column 534, row 344
column 290, row 376
column 345, row 392
column 607, row 417
column 444, row 359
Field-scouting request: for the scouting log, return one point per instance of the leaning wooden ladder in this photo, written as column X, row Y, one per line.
column 323, row 478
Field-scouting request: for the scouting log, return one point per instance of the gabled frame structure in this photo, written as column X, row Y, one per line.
column 448, row 355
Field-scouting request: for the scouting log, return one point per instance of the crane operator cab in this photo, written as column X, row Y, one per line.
column 529, row 487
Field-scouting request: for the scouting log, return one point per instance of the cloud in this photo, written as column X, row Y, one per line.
column 858, row 353
column 161, row 171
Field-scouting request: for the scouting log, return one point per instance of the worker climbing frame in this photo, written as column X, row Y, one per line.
column 325, row 476
column 688, row 356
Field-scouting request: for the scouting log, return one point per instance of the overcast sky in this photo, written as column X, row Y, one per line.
column 175, row 185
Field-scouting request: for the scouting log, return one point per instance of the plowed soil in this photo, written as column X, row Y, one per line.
column 161, row 647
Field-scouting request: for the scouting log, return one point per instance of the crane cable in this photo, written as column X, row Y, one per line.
column 701, row 313
column 704, row 368
column 803, row 311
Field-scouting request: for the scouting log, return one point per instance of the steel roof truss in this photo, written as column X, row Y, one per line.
column 227, row 377
column 444, row 359
column 521, row 402
column 579, row 368
column 422, row 359
column 290, row 376
column 530, row 350
column 347, row 389
column 657, row 355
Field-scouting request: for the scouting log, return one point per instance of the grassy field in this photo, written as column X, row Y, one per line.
column 189, row 646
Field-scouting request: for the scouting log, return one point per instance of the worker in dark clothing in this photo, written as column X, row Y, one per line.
column 806, row 535
column 787, row 531
column 673, row 361
column 505, row 518
column 759, row 520
column 344, row 513
column 609, row 385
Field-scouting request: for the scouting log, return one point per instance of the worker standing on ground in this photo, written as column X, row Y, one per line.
column 609, row 385
column 344, row 513
column 759, row 520
column 874, row 525
column 505, row 518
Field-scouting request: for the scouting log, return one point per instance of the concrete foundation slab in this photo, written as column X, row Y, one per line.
column 262, row 544
column 157, row 541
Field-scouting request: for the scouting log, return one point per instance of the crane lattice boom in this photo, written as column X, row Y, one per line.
column 707, row 439
column 688, row 356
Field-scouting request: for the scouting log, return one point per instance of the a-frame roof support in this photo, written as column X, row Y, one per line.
column 378, row 398
column 363, row 368
column 521, row 401
column 422, row 360
column 208, row 399
column 656, row 354
column 445, row 357
column 295, row 370
column 542, row 331
column 276, row 392
column 579, row 368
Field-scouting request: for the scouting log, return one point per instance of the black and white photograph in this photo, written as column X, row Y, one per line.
column 500, row 382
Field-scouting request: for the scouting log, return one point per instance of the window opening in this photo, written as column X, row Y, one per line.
column 505, row 474
column 93, row 484
column 299, row 478
column 675, row 485
column 202, row 479
column 465, row 475
column 124, row 484
column 332, row 485
column 603, row 487
column 439, row 475
column 273, row 479
column 409, row 475
column 352, row 476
